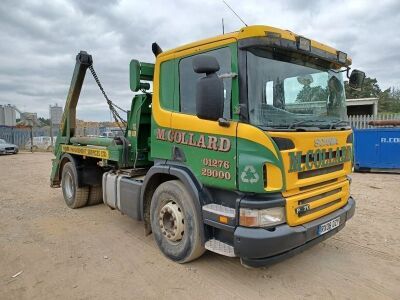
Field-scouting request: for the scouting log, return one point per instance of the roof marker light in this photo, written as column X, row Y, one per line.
column 342, row 57
column 303, row 43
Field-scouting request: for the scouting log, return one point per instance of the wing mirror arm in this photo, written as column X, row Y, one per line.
column 224, row 122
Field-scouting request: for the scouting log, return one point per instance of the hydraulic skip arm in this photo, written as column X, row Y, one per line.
column 68, row 122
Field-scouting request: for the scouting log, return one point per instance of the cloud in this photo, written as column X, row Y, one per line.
column 39, row 40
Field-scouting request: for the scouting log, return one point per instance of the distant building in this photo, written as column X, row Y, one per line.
column 84, row 128
column 29, row 116
column 362, row 106
column 7, row 115
column 56, row 113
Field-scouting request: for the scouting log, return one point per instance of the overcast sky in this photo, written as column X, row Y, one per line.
column 39, row 40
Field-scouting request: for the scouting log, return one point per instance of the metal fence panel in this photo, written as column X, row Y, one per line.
column 21, row 136
column 361, row 122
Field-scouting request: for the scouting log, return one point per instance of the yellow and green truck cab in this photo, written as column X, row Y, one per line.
column 241, row 148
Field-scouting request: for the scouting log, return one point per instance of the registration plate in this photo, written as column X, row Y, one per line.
column 328, row 226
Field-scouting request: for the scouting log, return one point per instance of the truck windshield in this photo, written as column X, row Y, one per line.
column 291, row 91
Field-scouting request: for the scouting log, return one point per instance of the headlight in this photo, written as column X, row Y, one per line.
column 262, row 217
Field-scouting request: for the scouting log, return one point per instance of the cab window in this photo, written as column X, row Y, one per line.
column 188, row 79
column 167, row 84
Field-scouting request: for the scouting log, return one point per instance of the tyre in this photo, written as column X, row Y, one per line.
column 174, row 222
column 74, row 196
column 35, row 148
column 50, row 148
column 95, row 195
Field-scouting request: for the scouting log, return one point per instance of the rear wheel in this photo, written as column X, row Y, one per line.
column 174, row 222
column 95, row 195
column 50, row 148
column 74, row 196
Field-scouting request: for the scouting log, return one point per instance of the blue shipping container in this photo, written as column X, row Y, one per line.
column 377, row 148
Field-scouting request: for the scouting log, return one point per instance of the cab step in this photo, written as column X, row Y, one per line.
column 220, row 248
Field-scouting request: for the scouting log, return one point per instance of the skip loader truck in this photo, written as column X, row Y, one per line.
column 237, row 144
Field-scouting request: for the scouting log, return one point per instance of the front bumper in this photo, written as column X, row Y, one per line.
column 259, row 247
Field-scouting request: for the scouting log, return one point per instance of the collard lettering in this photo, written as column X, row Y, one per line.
column 319, row 158
column 210, row 142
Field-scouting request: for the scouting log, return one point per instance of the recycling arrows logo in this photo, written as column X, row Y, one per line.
column 249, row 175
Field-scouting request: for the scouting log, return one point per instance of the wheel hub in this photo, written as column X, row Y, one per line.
column 171, row 221
column 69, row 185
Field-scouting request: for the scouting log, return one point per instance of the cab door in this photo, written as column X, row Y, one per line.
column 205, row 147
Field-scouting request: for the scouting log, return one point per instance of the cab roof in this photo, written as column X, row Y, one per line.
column 255, row 31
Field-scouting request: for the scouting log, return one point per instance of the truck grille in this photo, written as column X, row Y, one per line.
column 322, row 171
column 315, row 185
column 320, row 196
column 9, row 148
column 314, row 210
column 308, row 206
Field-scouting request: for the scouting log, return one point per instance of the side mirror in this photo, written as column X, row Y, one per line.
column 140, row 71
column 209, row 89
column 134, row 75
column 356, row 79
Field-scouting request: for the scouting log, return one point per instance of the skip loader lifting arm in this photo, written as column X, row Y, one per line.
column 68, row 121
column 92, row 156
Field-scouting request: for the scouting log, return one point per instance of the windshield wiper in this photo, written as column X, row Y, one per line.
column 336, row 123
column 332, row 124
column 316, row 123
column 303, row 122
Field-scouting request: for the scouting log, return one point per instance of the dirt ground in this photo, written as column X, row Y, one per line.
column 97, row 253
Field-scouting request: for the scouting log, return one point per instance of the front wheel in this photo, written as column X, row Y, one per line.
column 74, row 196
column 174, row 222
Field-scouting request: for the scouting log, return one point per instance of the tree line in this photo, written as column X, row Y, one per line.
column 388, row 100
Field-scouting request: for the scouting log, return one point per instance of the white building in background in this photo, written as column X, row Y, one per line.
column 362, row 106
column 7, row 115
column 56, row 113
